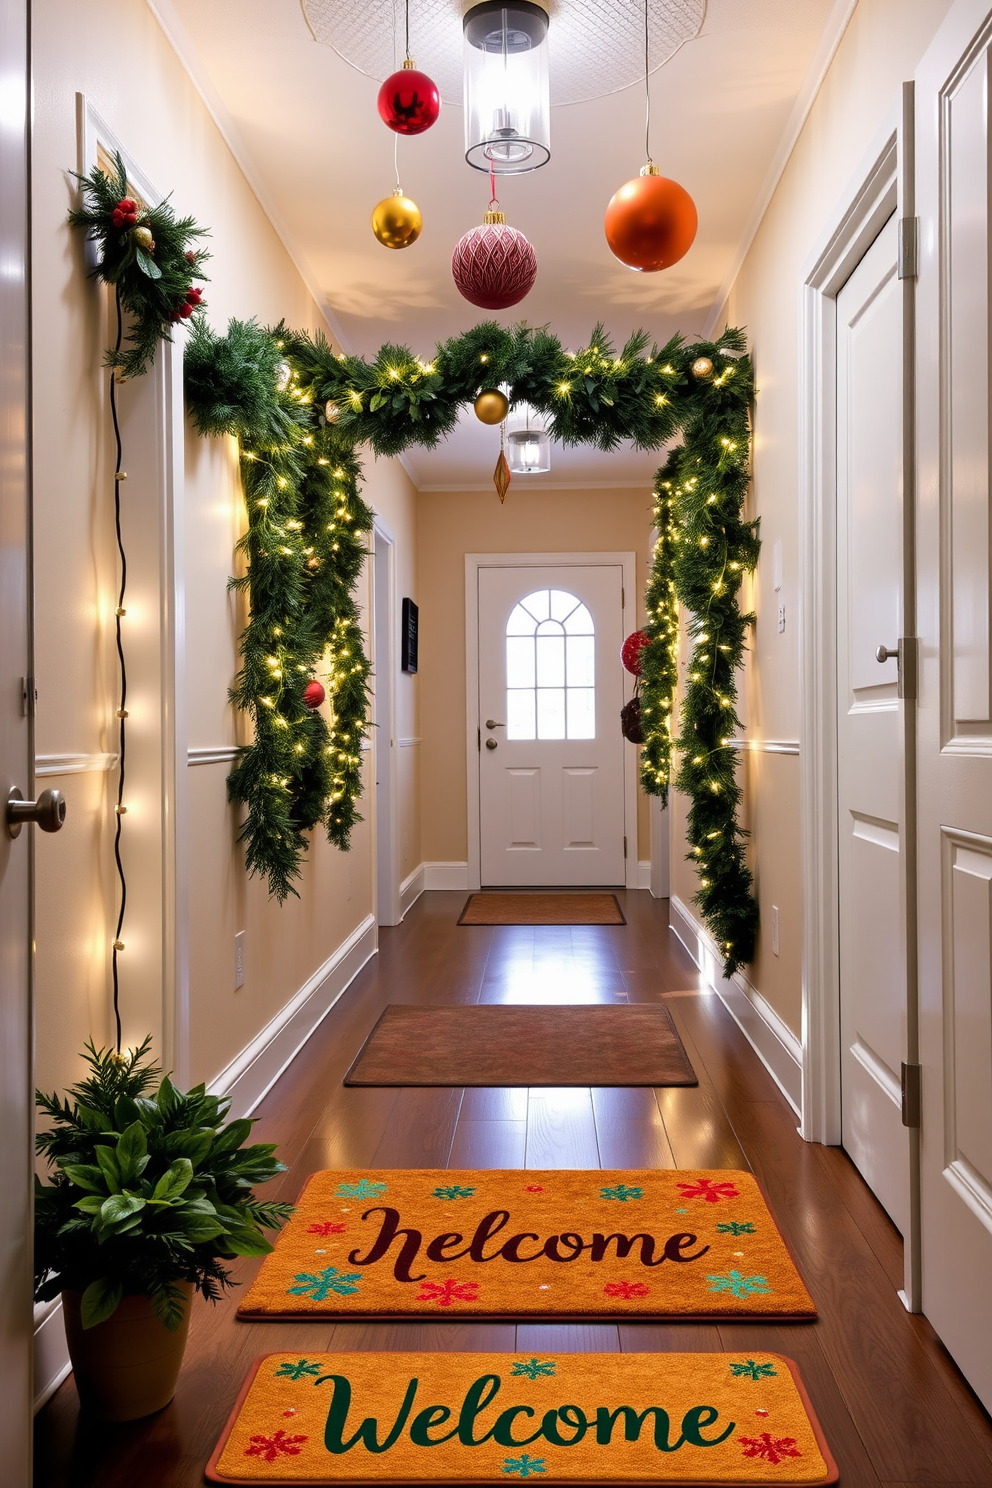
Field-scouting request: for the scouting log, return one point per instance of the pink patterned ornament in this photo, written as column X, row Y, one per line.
column 494, row 266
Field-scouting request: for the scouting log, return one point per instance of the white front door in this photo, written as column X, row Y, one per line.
column 871, row 829
column 552, row 754
column 955, row 711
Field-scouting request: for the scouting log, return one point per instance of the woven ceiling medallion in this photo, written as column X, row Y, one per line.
column 494, row 266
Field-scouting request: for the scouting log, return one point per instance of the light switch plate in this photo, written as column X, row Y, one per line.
column 239, row 960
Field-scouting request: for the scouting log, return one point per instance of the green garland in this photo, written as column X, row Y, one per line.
column 705, row 548
column 148, row 255
column 304, row 548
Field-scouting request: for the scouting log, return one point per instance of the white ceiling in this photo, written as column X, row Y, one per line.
column 304, row 123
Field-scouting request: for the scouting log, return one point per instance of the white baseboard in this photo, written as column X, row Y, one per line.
column 445, row 875
column 772, row 1040
column 411, row 889
column 256, row 1069
column 644, row 874
column 246, row 1079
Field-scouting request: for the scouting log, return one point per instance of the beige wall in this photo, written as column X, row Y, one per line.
column 116, row 55
column 880, row 49
column 452, row 524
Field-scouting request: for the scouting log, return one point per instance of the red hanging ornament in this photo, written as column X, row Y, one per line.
column 650, row 222
column 494, row 266
column 409, row 101
column 313, row 694
column 630, row 651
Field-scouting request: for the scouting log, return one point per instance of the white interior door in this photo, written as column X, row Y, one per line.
column 551, row 751
column 871, row 835
column 16, row 747
column 955, row 712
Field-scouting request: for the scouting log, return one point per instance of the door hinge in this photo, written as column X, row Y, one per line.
column 478, row 738
column 911, row 1094
column 29, row 697
column 623, row 597
column 909, row 236
column 625, row 847
column 909, row 653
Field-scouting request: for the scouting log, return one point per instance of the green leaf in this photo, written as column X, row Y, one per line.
column 167, row 1095
column 130, row 1149
column 175, row 1180
column 83, row 1175
column 92, row 1204
column 99, row 1301
column 376, row 401
column 147, row 264
column 246, row 1242
column 93, row 1120
column 112, row 1172
column 118, row 1208
column 233, row 1135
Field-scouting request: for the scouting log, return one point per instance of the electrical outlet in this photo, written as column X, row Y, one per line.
column 239, row 959
column 781, row 615
column 774, row 929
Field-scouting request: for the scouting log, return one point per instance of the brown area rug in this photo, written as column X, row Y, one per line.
column 542, row 909
column 501, row 1044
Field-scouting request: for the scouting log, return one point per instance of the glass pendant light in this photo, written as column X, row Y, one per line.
column 507, row 93
column 528, row 445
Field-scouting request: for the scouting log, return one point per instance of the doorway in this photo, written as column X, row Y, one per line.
column 551, row 766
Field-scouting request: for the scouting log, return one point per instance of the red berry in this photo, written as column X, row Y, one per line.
column 117, row 217
column 185, row 311
column 174, row 317
column 194, row 295
column 127, row 204
column 190, row 256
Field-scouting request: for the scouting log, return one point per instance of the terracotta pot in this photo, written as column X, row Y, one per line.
column 126, row 1367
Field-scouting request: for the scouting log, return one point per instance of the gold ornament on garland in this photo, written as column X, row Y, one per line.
column 491, row 406
column 501, row 477
column 396, row 220
column 702, row 368
column 331, row 411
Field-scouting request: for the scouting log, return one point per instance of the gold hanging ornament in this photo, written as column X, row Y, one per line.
column 396, row 220
column 702, row 368
column 491, row 406
column 331, row 411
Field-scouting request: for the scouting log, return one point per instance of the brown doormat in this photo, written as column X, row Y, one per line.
column 542, row 909
column 408, row 1418
column 502, row 1044
column 450, row 1244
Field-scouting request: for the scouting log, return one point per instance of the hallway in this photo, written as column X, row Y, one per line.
column 892, row 1404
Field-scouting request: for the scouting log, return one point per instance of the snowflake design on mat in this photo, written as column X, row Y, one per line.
column 524, row 1466
column 621, row 1193
column 738, row 1285
column 705, row 1188
column 325, row 1227
column 736, row 1227
column 296, row 1371
column 454, row 1192
column 626, row 1289
column 446, row 1292
column 533, row 1368
column 771, row 1449
column 363, row 1189
column 322, row 1283
column 269, row 1448
column 750, row 1370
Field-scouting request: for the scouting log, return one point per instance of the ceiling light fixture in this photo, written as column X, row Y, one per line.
column 507, row 92
column 651, row 221
column 528, row 444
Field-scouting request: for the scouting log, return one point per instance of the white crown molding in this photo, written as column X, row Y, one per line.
column 604, row 486
column 833, row 35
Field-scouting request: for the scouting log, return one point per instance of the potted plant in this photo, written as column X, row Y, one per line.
column 150, row 1194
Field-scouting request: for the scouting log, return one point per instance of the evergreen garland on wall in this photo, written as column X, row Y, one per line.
column 304, row 547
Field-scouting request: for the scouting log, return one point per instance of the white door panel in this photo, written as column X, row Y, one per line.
column 870, row 763
column 551, row 751
column 955, row 762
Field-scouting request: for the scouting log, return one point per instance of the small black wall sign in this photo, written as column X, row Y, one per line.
column 408, row 640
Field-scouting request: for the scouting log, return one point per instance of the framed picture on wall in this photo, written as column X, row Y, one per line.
column 408, row 640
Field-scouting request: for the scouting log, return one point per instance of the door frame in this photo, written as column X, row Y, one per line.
column 383, row 618
column 474, row 562
column 881, row 186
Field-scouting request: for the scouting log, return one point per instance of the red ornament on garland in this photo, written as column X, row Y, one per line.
column 650, row 222
column 313, row 694
column 494, row 266
column 630, row 651
column 409, row 101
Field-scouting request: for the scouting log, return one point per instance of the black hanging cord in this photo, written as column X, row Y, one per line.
column 119, row 477
column 647, row 90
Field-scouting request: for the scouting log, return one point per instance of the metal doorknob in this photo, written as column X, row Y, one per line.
column 48, row 812
column 882, row 653
column 491, row 744
column 491, row 724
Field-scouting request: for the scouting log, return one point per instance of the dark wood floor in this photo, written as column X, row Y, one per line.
column 894, row 1408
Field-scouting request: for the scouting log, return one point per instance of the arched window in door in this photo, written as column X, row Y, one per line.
column 550, row 668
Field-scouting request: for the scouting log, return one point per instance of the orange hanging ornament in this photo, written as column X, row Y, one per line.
column 650, row 222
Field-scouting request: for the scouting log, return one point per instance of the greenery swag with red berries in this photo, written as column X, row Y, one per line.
column 148, row 256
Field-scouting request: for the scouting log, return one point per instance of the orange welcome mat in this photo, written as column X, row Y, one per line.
column 415, row 1243
column 499, row 1418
